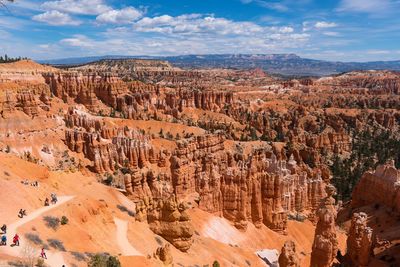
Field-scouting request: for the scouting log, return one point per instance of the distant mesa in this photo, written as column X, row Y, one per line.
column 281, row 64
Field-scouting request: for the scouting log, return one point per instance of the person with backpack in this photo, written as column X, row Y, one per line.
column 3, row 240
column 54, row 199
column 22, row 213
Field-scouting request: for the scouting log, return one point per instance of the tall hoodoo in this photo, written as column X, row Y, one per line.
column 288, row 256
column 325, row 244
column 360, row 241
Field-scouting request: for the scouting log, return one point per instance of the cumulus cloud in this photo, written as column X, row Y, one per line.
column 83, row 7
column 56, row 18
column 196, row 24
column 319, row 26
column 188, row 34
column 122, row 16
column 286, row 29
column 324, row 24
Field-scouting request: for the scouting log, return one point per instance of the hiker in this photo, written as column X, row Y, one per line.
column 53, row 198
column 4, row 229
column 22, row 213
column 43, row 254
column 46, row 202
column 3, row 240
column 16, row 240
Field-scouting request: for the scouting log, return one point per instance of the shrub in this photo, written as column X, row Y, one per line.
column 40, row 263
column 57, row 244
column 34, row 238
column 113, row 262
column 109, row 180
column 103, row 260
column 159, row 240
column 216, row 264
column 297, row 217
column 64, row 220
column 78, row 256
column 125, row 209
column 52, row 222
column 125, row 170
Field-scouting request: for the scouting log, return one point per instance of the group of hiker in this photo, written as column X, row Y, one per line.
column 21, row 214
column 54, row 200
column 34, row 184
column 3, row 241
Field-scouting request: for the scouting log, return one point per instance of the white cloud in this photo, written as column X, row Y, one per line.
column 378, row 52
column 368, row 6
column 286, row 30
column 277, row 6
column 188, row 34
column 44, row 46
column 320, row 25
column 195, row 24
column 56, row 18
column 78, row 40
column 333, row 34
column 192, row 33
column 84, row 7
column 324, row 24
column 122, row 16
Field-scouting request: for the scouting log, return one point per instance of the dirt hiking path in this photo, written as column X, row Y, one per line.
column 54, row 259
column 122, row 240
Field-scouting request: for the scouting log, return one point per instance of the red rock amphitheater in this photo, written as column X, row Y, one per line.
column 161, row 166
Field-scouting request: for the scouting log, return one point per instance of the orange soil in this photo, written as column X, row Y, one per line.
column 91, row 225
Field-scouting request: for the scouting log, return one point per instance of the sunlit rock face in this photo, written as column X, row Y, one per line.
column 385, row 181
column 288, row 256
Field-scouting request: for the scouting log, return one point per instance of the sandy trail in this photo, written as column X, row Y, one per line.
column 53, row 258
column 122, row 239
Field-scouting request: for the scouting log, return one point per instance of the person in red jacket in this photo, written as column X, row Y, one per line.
column 16, row 240
column 43, row 254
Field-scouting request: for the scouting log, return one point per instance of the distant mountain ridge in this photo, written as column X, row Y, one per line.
column 282, row 64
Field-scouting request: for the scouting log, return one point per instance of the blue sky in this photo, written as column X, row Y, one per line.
column 342, row 30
